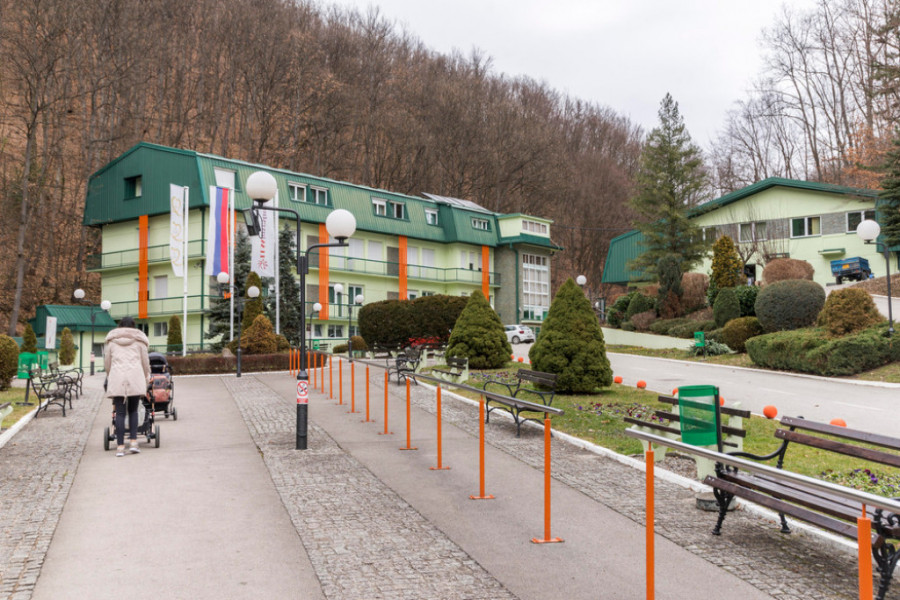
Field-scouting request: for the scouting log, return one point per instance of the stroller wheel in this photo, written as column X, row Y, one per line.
column 175, row 414
column 106, row 438
column 156, row 435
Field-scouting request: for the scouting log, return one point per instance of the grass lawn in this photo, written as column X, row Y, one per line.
column 14, row 395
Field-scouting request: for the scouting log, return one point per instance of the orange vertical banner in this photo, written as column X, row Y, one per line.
column 143, row 270
column 323, row 272
column 401, row 259
column 486, row 272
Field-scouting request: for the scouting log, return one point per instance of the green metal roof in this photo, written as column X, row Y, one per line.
column 160, row 166
column 76, row 318
column 622, row 250
column 532, row 240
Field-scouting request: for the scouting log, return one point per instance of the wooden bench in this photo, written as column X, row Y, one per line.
column 457, row 370
column 50, row 389
column 527, row 376
column 75, row 376
column 406, row 364
column 386, row 351
column 823, row 510
column 732, row 431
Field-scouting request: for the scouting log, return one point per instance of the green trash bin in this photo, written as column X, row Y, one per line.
column 27, row 362
column 699, row 409
column 43, row 359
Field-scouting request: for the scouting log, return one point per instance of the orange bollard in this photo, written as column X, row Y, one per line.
column 367, row 419
column 439, row 467
column 650, row 528
column 547, row 539
column 322, row 376
column 352, row 387
column 330, row 378
column 386, row 381
column 408, row 447
column 340, row 381
column 481, row 495
column 864, row 539
column 315, row 362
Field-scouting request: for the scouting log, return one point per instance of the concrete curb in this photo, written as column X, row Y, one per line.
column 18, row 426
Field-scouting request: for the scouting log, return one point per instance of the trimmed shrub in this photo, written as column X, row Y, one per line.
column 259, row 338
column 746, row 295
column 848, row 310
column 571, row 344
column 9, row 360
column 642, row 321
column 66, row 347
column 669, row 306
column 479, row 335
column 812, row 351
column 435, row 316
column 727, row 307
column 359, row 343
column 197, row 364
column 791, row 304
column 386, row 323
column 695, row 286
column 663, row 326
column 253, row 307
column 628, row 326
column 784, row 269
column 639, row 303
column 687, row 330
column 341, row 348
column 712, row 348
column 173, row 340
column 614, row 317
column 737, row 331
column 727, row 266
column 282, row 343
column 621, row 303
column 29, row 340
column 714, row 335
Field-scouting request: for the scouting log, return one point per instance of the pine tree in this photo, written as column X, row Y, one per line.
column 670, row 180
column 252, row 307
column 66, row 347
column 174, row 341
column 889, row 208
column 479, row 335
column 218, row 314
column 288, row 288
column 29, row 340
column 571, row 344
column 727, row 266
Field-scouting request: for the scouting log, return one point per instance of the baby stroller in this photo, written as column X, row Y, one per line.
column 146, row 428
column 161, row 386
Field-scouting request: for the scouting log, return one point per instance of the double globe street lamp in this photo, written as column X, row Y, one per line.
column 252, row 293
column 340, row 224
column 868, row 231
column 358, row 300
column 105, row 305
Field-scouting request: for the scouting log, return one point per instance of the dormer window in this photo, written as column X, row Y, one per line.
column 482, row 224
column 431, row 216
column 133, row 187
column 534, row 227
column 297, row 192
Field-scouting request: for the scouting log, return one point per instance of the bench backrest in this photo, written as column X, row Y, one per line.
column 538, row 377
column 853, row 436
column 457, row 361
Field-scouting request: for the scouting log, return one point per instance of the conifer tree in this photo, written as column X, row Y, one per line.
column 479, row 335
column 670, row 180
column 889, row 208
column 219, row 306
column 174, row 341
column 727, row 266
column 288, row 288
column 66, row 347
column 571, row 344
column 29, row 340
column 253, row 307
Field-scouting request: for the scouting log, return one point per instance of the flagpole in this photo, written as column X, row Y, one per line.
column 231, row 261
column 185, row 207
column 277, row 272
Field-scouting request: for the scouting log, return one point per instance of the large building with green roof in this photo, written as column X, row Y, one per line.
column 772, row 218
column 404, row 246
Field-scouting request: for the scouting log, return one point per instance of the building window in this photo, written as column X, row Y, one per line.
column 297, row 192
column 411, row 294
column 534, row 227
column 317, row 330
column 708, row 234
column 335, row 331
column 380, row 207
column 352, row 292
column 431, row 216
column 749, row 232
column 161, row 286
column 161, row 329
column 805, row 227
column 319, row 196
column 856, row 217
column 427, row 293
column 134, row 187
column 398, row 210
column 535, row 285
column 482, row 224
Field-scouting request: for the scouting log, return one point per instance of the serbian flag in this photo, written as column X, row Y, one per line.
column 217, row 234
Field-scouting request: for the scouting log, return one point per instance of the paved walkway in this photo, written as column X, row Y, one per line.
column 226, row 508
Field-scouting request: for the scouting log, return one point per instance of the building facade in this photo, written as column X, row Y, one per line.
column 404, row 246
column 773, row 218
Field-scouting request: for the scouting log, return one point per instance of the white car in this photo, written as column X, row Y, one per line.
column 519, row 333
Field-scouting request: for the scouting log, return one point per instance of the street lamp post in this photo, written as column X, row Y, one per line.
column 358, row 300
column 340, row 224
column 104, row 305
column 252, row 293
column 868, row 231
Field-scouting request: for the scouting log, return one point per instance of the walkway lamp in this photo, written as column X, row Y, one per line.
column 105, row 305
column 358, row 300
column 868, row 231
column 340, row 224
column 252, row 293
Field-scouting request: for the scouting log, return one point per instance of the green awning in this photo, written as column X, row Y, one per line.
column 76, row 318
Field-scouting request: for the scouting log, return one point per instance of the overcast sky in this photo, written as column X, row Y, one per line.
column 619, row 53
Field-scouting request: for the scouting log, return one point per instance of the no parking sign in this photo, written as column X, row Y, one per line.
column 302, row 391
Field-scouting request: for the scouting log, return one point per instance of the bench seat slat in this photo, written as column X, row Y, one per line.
column 851, row 434
column 657, row 426
column 725, row 428
column 725, row 410
column 871, row 454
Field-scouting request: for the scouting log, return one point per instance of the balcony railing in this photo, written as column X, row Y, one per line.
column 130, row 258
column 158, row 306
column 366, row 266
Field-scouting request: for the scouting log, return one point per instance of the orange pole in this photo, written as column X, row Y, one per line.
column 367, row 395
column 651, row 523
column 330, row 378
column 386, row 381
column 864, row 540
column 547, row 539
column 352, row 387
column 340, row 381
column 315, row 363
column 481, row 495
column 322, row 375
column 439, row 467
column 408, row 446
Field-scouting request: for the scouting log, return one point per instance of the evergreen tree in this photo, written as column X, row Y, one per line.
column 727, row 266
column 218, row 314
column 479, row 335
column 252, row 307
column 29, row 340
column 66, row 347
column 289, row 288
column 174, row 342
column 668, row 302
column 889, row 208
column 571, row 344
column 670, row 180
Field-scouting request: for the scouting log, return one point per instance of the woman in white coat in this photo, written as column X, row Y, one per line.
column 128, row 373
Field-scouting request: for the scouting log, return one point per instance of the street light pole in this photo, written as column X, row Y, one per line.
column 358, row 300
column 869, row 230
column 104, row 305
column 340, row 224
column 252, row 292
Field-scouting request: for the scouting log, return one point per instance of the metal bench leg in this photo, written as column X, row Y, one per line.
column 723, row 499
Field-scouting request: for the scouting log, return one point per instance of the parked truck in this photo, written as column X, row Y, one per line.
column 856, row 268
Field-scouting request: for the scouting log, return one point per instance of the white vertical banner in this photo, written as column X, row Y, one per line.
column 263, row 253
column 177, row 230
column 186, row 208
column 50, row 334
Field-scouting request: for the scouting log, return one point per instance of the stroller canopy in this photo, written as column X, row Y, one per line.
column 158, row 363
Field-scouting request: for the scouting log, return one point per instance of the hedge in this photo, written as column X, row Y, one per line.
column 195, row 365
